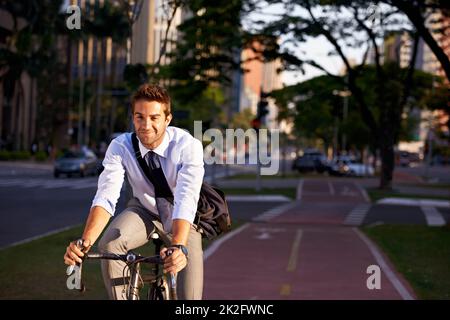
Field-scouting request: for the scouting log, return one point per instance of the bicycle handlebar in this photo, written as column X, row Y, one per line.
column 130, row 258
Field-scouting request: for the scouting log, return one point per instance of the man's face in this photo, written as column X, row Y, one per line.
column 150, row 122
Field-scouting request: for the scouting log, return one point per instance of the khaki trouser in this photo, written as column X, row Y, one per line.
column 131, row 229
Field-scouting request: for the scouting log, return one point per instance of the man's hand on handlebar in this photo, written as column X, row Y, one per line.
column 74, row 252
column 175, row 262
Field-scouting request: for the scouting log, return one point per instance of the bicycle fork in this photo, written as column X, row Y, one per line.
column 133, row 289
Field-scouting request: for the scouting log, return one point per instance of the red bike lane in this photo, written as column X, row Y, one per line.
column 303, row 253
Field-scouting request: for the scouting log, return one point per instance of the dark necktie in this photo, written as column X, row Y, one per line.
column 164, row 207
column 153, row 160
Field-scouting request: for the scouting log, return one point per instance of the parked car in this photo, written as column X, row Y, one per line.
column 83, row 162
column 347, row 166
column 311, row 161
column 407, row 159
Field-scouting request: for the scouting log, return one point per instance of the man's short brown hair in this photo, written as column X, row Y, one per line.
column 152, row 92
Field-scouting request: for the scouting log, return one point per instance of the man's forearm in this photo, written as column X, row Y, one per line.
column 180, row 231
column 96, row 222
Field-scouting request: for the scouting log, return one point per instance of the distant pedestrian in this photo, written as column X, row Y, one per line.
column 34, row 148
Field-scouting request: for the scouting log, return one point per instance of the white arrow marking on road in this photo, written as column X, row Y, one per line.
column 265, row 233
column 348, row 192
column 263, row 236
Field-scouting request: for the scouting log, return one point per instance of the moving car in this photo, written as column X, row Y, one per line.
column 83, row 162
column 347, row 166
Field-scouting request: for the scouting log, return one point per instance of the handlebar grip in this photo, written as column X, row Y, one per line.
column 70, row 269
column 172, row 281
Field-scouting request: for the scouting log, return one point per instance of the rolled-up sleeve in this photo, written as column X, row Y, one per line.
column 189, row 182
column 111, row 179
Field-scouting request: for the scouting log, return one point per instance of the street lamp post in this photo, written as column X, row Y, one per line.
column 344, row 94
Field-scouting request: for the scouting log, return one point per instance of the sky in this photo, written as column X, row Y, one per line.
column 318, row 49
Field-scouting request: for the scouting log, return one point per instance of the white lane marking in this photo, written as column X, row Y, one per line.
column 292, row 264
column 415, row 202
column 362, row 190
column 258, row 198
column 300, row 189
column 398, row 285
column 217, row 243
column 433, row 216
column 330, row 186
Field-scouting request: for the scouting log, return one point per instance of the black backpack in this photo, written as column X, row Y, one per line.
column 212, row 217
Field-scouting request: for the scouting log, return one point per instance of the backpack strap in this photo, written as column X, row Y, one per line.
column 155, row 176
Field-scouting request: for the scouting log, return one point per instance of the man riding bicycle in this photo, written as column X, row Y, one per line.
column 180, row 156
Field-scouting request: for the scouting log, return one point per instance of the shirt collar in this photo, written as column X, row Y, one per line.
column 161, row 150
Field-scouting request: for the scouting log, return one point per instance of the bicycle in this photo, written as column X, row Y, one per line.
column 159, row 287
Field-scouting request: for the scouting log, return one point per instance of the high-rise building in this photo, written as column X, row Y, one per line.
column 398, row 47
column 149, row 32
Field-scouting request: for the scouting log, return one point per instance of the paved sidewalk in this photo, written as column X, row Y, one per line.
column 302, row 251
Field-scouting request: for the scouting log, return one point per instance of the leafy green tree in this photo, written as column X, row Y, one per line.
column 207, row 51
column 353, row 24
column 29, row 49
column 243, row 119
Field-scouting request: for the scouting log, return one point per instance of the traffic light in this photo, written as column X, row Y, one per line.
column 256, row 124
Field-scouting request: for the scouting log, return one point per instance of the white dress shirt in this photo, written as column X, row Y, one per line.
column 181, row 157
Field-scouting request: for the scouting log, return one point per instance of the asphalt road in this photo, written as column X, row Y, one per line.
column 34, row 203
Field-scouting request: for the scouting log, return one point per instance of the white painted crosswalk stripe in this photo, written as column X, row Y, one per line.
column 433, row 216
column 357, row 215
column 272, row 213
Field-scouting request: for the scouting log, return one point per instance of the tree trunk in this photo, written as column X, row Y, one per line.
column 390, row 118
column 387, row 162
